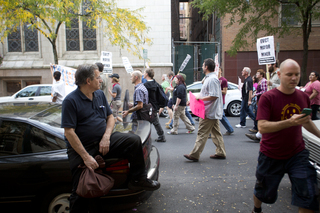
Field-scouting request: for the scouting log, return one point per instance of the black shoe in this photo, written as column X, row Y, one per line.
column 146, row 184
column 161, row 139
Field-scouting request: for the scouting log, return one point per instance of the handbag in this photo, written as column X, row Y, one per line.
column 147, row 112
column 94, row 183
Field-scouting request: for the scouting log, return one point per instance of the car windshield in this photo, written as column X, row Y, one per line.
column 50, row 116
column 194, row 88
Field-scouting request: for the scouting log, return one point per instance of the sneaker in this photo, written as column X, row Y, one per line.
column 255, row 212
column 168, row 127
column 160, row 139
column 253, row 137
column 248, row 118
column 147, row 184
column 239, row 126
column 190, row 132
column 172, row 133
column 253, row 130
column 228, row 133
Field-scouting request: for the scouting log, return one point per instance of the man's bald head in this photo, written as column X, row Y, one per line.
column 289, row 63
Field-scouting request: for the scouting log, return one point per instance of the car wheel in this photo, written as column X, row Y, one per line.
column 56, row 201
column 234, row 108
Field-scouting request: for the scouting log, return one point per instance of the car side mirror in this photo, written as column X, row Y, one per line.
column 17, row 96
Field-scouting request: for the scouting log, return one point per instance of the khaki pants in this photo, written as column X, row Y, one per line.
column 207, row 126
column 115, row 108
column 180, row 113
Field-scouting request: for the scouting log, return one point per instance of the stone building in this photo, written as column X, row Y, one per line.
column 28, row 54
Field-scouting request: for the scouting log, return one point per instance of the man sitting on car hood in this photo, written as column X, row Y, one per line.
column 88, row 123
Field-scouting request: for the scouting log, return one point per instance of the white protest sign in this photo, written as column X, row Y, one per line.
column 239, row 83
column 265, row 49
column 106, row 60
column 216, row 61
column 67, row 76
column 184, row 63
column 127, row 64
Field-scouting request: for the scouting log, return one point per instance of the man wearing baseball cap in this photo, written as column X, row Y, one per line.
column 116, row 96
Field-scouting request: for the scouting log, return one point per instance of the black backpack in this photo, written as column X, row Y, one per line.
column 162, row 98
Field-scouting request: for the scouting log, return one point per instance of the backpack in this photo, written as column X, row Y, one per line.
column 162, row 98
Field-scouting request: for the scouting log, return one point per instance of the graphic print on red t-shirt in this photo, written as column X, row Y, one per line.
column 289, row 110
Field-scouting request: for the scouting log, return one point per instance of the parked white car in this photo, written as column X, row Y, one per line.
column 232, row 105
column 32, row 93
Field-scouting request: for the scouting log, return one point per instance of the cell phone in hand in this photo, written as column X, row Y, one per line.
column 306, row 111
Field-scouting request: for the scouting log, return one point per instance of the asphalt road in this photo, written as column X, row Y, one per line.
column 210, row 185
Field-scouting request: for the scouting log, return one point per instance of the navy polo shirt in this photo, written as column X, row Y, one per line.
column 87, row 117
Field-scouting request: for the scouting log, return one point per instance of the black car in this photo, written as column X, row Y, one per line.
column 34, row 165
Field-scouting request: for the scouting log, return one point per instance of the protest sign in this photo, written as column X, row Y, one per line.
column 106, row 60
column 127, row 64
column 184, row 63
column 216, row 61
column 197, row 106
column 265, row 49
column 67, row 76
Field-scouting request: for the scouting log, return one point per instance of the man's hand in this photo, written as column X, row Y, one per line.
column 299, row 119
column 125, row 113
column 249, row 103
column 175, row 107
column 269, row 83
column 91, row 163
column 188, row 103
column 104, row 146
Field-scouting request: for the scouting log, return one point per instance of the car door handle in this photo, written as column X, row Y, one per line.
column 30, row 99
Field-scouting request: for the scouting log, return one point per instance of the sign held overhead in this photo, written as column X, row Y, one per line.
column 265, row 49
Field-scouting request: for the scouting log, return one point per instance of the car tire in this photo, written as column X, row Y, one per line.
column 234, row 108
column 56, row 200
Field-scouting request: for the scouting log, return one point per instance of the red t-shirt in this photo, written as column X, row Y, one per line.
column 223, row 83
column 277, row 106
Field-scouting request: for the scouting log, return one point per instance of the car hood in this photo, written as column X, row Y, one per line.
column 6, row 98
column 309, row 136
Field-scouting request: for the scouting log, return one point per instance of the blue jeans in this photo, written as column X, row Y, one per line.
column 225, row 122
column 188, row 115
column 245, row 110
column 302, row 176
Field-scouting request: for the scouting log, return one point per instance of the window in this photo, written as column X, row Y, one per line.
column 12, row 135
column 196, row 88
column 289, row 14
column 89, row 37
column 45, row 91
column 40, row 141
column 81, row 40
column 72, row 36
column 28, row 92
column 25, row 40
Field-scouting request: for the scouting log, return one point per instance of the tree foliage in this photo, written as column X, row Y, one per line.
column 123, row 27
column 261, row 17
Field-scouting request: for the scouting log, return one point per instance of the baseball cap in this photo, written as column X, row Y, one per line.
column 114, row 75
